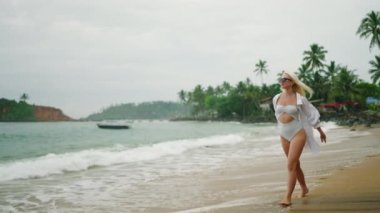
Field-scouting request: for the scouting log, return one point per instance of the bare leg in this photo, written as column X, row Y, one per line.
column 301, row 180
column 300, row 175
column 294, row 151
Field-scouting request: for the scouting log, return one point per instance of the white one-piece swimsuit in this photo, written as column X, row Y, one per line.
column 290, row 129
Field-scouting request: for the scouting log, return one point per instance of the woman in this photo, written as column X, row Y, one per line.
column 296, row 118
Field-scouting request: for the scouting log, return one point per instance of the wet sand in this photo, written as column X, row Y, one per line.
column 353, row 187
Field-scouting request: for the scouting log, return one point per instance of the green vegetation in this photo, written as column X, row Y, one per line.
column 226, row 102
column 10, row 110
column 314, row 57
column 249, row 103
column 370, row 27
column 331, row 82
column 375, row 70
column 24, row 97
column 147, row 110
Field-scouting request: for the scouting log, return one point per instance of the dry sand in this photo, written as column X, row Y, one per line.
column 355, row 189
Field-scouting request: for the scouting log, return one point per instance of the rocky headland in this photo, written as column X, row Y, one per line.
column 13, row 111
column 45, row 113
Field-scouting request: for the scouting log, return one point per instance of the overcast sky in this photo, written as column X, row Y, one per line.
column 82, row 56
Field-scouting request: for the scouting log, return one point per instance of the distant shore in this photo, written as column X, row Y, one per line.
column 13, row 111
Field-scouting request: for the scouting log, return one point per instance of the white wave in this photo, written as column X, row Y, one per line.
column 7, row 209
column 57, row 164
column 327, row 126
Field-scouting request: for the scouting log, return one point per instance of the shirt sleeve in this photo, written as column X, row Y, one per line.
column 274, row 102
column 311, row 113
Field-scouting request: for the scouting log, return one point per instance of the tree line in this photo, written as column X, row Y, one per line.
column 11, row 110
column 331, row 82
column 145, row 110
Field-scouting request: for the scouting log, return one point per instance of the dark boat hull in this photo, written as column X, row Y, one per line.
column 110, row 126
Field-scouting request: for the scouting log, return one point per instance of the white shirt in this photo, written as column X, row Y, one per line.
column 309, row 117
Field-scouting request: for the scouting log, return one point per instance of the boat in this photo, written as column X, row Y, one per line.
column 113, row 126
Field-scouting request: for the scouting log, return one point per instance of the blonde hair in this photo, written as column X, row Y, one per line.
column 298, row 85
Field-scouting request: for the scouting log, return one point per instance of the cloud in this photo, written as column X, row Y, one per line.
column 84, row 55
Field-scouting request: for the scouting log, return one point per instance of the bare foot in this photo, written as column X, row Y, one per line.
column 304, row 192
column 285, row 202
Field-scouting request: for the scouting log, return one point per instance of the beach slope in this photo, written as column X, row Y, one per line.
column 350, row 189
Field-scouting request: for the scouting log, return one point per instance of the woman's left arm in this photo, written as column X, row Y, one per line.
column 322, row 135
column 313, row 116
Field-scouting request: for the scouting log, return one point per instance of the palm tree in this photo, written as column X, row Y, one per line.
column 314, row 57
column 24, row 97
column 226, row 87
column 345, row 85
column 198, row 98
column 370, row 27
column 320, row 85
column 210, row 91
column 219, row 90
column 248, row 81
column 331, row 70
column 305, row 74
column 261, row 68
column 241, row 92
column 182, row 96
column 375, row 70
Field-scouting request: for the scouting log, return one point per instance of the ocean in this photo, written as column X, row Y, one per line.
column 156, row 166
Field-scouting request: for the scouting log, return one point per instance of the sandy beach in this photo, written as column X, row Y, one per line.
column 356, row 188
column 351, row 189
column 340, row 179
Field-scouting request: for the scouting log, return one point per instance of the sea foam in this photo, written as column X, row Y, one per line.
column 53, row 164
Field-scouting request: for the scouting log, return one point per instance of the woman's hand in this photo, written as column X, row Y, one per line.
column 322, row 135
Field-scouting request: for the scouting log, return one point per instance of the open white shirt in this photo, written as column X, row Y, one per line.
column 309, row 117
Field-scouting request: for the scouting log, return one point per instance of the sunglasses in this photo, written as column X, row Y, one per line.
column 282, row 80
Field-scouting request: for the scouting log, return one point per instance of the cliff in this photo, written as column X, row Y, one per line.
column 44, row 113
